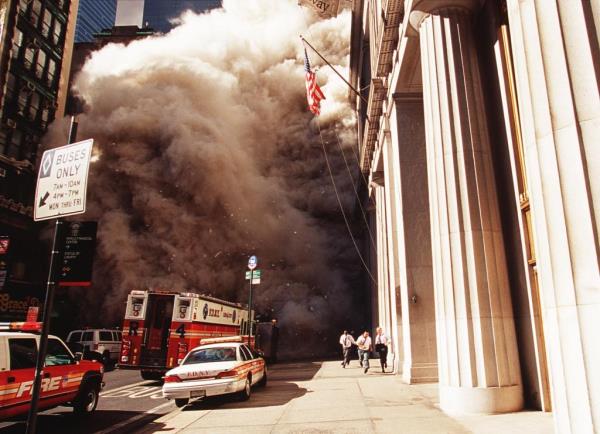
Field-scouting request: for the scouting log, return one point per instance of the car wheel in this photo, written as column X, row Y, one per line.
column 263, row 380
column 151, row 375
column 106, row 359
column 87, row 400
column 182, row 402
column 245, row 393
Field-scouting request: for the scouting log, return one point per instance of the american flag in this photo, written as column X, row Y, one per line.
column 313, row 91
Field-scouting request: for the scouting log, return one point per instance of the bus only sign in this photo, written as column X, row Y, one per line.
column 62, row 181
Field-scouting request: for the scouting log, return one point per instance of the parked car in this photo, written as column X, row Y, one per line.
column 104, row 341
column 67, row 379
column 215, row 369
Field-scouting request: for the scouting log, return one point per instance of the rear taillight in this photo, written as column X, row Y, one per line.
column 228, row 374
column 181, row 352
column 125, row 347
column 172, row 379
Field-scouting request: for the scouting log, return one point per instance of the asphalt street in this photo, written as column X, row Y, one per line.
column 126, row 402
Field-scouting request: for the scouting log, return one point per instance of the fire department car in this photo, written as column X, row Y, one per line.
column 225, row 366
column 66, row 380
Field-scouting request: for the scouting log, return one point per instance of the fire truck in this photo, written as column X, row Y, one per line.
column 160, row 327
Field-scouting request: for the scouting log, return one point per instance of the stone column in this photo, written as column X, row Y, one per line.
column 405, row 159
column 395, row 329
column 373, row 263
column 382, row 261
column 555, row 51
column 477, row 350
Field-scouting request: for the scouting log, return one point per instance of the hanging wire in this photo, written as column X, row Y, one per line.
column 362, row 210
column 342, row 207
column 362, row 260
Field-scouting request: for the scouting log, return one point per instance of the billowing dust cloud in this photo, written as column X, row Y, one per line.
column 207, row 154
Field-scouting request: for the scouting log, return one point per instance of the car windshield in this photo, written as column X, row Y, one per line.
column 209, row 355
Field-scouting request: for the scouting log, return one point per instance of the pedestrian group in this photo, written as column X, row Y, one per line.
column 365, row 346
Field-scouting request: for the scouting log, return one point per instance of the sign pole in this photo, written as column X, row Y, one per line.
column 252, row 263
column 50, row 286
column 250, row 310
column 41, row 356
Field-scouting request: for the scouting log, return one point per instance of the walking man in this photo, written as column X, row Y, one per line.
column 381, row 346
column 346, row 341
column 364, row 347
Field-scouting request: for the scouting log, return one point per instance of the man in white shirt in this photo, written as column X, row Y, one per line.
column 381, row 346
column 346, row 341
column 364, row 347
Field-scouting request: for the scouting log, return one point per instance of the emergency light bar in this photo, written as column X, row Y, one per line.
column 222, row 340
column 21, row 326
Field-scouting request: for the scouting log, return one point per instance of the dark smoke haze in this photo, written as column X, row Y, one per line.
column 206, row 154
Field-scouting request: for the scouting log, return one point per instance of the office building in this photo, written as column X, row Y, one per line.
column 158, row 13
column 93, row 16
column 479, row 136
column 35, row 54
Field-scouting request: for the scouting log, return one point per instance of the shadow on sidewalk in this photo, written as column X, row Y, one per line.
column 68, row 423
column 281, row 389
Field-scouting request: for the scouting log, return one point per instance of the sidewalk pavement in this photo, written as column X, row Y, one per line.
column 323, row 397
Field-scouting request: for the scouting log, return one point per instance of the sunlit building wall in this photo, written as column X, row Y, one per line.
column 479, row 136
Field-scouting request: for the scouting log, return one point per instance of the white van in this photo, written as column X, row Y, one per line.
column 104, row 341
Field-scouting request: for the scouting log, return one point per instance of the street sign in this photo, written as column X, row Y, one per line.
column 252, row 262
column 62, row 181
column 255, row 276
column 78, row 254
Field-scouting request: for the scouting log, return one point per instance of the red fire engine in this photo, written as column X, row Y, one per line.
column 160, row 328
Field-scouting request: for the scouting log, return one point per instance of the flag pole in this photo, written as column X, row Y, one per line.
column 334, row 70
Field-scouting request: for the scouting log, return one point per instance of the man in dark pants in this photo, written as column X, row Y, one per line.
column 346, row 341
column 381, row 346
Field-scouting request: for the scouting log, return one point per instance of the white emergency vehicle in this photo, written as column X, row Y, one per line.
column 221, row 366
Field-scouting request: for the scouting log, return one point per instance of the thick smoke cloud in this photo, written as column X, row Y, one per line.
column 206, row 154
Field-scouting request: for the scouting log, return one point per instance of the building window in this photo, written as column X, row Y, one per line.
column 51, row 72
column 45, row 117
column 14, row 145
column 29, row 55
column 36, row 10
column 11, row 85
column 24, row 6
column 47, row 23
column 41, row 64
column 63, row 5
column 17, row 43
column 3, row 140
column 34, row 105
column 22, row 100
column 58, row 29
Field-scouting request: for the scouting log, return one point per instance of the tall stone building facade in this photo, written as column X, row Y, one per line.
column 36, row 44
column 479, row 133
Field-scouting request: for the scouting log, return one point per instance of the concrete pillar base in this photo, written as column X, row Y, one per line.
column 490, row 400
column 420, row 373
